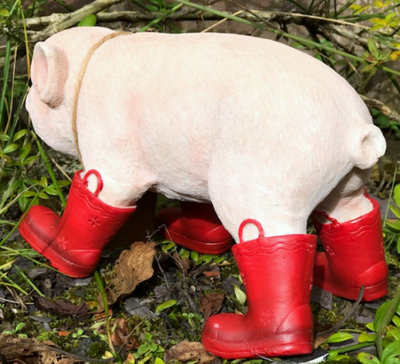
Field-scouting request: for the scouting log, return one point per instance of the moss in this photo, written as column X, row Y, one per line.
column 323, row 318
column 97, row 349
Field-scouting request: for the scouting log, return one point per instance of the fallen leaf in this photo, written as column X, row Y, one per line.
column 189, row 351
column 51, row 357
column 211, row 303
column 132, row 267
column 122, row 337
column 182, row 263
column 130, row 359
column 63, row 333
column 60, row 307
column 15, row 349
column 101, row 315
column 211, row 273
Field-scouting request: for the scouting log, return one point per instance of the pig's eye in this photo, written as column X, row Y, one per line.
column 30, row 82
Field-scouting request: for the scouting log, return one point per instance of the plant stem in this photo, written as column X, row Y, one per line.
column 161, row 18
column 5, row 80
column 105, row 305
column 49, row 170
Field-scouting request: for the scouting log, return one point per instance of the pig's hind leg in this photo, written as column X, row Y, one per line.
column 349, row 225
column 276, row 269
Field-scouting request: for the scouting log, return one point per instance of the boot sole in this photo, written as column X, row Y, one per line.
column 60, row 263
column 199, row 246
column 371, row 293
column 263, row 348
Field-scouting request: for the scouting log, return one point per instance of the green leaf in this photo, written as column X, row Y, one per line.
column 339, row 337
column 43, row 195
column 383, row 317
column 195, row 256
column 25, row 150
column 20, row 326
column 29, row 194
column 381, row 313
column 391, row 352
column 10, row 148
column 184, row 253
column 398, row 245
column 370, row 326
column 159, row 361
column 396, row 195
column 51, row 190
column 4, row 12
column 30, row 159
column 43, row 182
column 366, row 358
column 395, row 210
column 4, row 137
column 394, row 332
column 366, row 337
column 19, row 134
column 165, row 305
column 88, row 21
column 396, row 320
column 393, row 224
column 240, row 295
column 153, row 347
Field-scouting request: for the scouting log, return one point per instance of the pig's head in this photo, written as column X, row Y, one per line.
column 55, row 67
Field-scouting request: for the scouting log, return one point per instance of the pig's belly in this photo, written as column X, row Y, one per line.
column 183, row 185
column 196, row 195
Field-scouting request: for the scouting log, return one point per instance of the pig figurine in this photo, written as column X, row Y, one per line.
column 265, row 133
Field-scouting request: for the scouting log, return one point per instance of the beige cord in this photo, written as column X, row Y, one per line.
column 79, row 84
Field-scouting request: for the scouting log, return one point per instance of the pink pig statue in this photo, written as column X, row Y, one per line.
column 267, row 134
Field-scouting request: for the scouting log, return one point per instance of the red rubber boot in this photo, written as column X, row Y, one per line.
column 196, row 226
column 277, row 275
column 73, row 242
column 354, row 256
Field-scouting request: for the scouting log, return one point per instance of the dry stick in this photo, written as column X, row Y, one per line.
column 219, row 22
column 345, row 318
column 382, row 107
column 181, row 15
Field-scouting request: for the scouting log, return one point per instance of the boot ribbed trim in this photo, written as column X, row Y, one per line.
column 82, row 192
column 354, row 227
column 269, row 245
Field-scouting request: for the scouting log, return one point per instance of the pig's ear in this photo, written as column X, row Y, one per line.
column 49, row 73
column 369, row 148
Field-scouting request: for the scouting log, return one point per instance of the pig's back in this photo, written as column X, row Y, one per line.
column 190, row 96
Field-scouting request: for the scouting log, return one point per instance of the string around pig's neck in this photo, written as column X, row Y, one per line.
column 78, row 85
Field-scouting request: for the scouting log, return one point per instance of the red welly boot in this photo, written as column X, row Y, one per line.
column 196, row 226
column 277, row 275
column 354, row 256
column 73, row 242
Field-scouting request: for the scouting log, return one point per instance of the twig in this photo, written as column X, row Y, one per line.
column 63, row 21
column 345, row 318
column 382, row 107
column 219, row 23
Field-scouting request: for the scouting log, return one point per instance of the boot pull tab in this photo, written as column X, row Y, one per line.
column 250, row 221
column 99, row 180
column 326, row 216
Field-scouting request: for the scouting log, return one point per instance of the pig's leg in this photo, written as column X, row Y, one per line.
column 276, row 270
column 348, row 222
column 73, row 242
